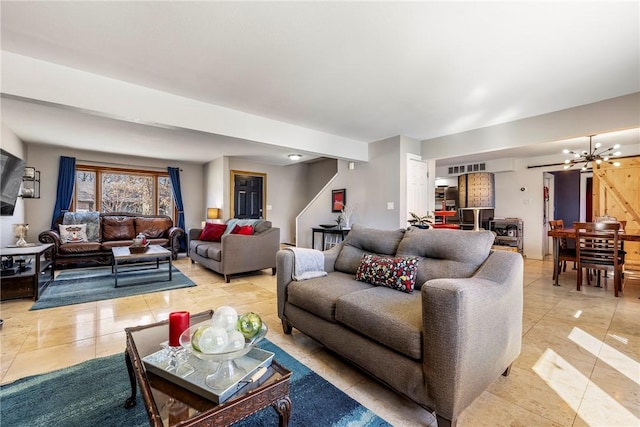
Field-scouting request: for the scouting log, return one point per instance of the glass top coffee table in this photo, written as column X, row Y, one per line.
column 169, row 404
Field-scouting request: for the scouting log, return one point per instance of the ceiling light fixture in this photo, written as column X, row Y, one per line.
column 295, row 156
column 592, row 156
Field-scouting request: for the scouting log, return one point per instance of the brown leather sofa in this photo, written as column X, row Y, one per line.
column 113, row 229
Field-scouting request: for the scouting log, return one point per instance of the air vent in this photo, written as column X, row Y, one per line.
column 476, row 167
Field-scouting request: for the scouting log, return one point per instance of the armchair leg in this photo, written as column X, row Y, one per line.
column 507, row 371
column 273, row 271
column 443, row 422
column 227, row 278
column 286, row 327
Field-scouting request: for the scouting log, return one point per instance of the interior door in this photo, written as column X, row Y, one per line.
column 417, row 183
column 247, row 196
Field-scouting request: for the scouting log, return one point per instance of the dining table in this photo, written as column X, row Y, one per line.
column 570, row 233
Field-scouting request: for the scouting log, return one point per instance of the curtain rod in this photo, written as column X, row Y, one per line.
column 93, row 162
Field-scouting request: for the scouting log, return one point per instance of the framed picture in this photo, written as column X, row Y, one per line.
column 338, row 200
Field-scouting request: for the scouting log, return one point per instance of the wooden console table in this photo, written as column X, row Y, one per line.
column 31, row 282
column 341, row 232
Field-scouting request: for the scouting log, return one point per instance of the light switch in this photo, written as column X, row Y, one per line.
column 390, row 206
column 269, row 207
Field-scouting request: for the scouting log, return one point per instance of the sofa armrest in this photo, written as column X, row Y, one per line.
column 193, row 234
column 242, row 253
column 175, row 233
column 51, row 236
column 284, row 276
column 472, row 331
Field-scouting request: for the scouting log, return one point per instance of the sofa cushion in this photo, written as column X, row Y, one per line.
column 363, row 240
column 246, row 230
column 212, row 232
column 394, row 319
column 79, row 248
column 319, row 296
column 73, row 233
column 234, row 221
column 91, row 219
column 211, row 250
column 397, row 273
column 118, row 228
column 446, row 253
column 152, row 228
column 261, row 227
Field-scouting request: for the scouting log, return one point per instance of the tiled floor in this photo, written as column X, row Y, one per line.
column 579, row 363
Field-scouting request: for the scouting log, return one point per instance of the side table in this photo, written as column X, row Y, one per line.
column 31, row 282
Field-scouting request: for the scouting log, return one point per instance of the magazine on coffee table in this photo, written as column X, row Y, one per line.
column 251, row 363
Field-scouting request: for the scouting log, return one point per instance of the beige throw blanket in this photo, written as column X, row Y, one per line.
column 307, row 263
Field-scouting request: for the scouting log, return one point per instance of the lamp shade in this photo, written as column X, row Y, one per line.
column 476, row 190
column 213, row 213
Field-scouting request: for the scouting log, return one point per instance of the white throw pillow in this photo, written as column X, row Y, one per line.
column 73, row 233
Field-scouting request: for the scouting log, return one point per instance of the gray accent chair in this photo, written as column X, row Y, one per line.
column 237, row 253
column 441, row 345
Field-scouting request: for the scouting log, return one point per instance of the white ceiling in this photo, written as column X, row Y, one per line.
column 362, row 70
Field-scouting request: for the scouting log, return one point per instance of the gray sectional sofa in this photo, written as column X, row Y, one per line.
column 441, row 345
column 237, row 253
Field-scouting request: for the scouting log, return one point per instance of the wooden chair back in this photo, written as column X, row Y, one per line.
column 598, row 247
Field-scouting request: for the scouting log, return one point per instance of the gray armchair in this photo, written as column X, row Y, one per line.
column 237, row 253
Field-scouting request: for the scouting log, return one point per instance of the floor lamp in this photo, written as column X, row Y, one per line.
column 476, row 191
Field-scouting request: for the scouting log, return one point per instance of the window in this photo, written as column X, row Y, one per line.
column 123, row 190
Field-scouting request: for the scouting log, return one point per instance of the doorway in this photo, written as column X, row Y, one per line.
column 248, row 193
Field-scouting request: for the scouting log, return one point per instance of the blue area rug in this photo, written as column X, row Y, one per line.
column 93, row 393
column 94, row 284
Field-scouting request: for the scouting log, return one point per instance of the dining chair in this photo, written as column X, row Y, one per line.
column 598, row 247
column 566, row 253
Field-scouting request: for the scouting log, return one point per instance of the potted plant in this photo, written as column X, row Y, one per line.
column 418, row 221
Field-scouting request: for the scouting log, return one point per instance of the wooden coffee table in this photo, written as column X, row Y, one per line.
column 122, row 254
column 169, row 404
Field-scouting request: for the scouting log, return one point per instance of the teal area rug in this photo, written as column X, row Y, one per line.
column 94, row 284
column 93, row 393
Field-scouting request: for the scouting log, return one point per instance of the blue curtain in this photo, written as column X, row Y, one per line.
column 66, row 181
column 174, row 174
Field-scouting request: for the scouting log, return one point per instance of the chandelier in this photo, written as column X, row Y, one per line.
column 594, row 155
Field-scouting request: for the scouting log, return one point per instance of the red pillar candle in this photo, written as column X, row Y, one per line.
column 178, row 322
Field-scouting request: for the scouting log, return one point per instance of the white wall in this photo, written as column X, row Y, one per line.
column 47, row 159
column 600, row 117
column 286, row 193
column 15, row 146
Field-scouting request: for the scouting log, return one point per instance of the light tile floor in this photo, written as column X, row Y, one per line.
column 579, row 363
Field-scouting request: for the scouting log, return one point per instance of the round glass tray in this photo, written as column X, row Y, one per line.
column 225, row 371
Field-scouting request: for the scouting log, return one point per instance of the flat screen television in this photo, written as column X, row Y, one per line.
column 11, row 171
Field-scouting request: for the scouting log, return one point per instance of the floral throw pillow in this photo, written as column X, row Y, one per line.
column 396, row 273
column 73, row 233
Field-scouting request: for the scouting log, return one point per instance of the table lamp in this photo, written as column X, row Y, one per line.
column 476, row 191
column 213, row 213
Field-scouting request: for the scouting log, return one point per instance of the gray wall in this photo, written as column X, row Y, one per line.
column 46, row 159
column 286, row 193
column 370, row 186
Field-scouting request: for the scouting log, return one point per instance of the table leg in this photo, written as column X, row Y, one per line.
column 313, row 239
column 283, row 408
column 131, row 400
column 170, row 269
column 556, row 262
column 115, row 270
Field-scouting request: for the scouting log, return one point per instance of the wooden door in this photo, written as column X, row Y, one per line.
column 616, row 193
column 248, row 196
